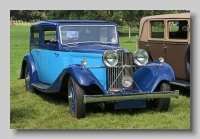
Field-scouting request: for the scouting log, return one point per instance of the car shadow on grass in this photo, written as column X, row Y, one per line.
column 91, row 109
column 54, row 98
column 19, row 113
column 109, row 109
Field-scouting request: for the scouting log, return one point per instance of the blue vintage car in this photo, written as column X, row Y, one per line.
column 83, row 59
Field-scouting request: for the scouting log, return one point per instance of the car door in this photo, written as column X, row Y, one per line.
column 156, row 39
column 35, row 49
column 177, row 46
column 51, row 65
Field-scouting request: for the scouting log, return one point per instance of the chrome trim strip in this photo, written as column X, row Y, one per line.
column 180, row 84
column 117, row 97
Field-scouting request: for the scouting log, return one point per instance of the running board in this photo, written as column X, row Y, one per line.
column 181, row 83
column 40, row 86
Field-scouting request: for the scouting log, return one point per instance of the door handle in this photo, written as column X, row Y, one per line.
column 147, row 46
column 37, row 51
column 56, row 53
column 165, row 48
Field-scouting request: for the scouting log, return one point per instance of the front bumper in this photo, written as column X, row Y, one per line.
column 129, row 96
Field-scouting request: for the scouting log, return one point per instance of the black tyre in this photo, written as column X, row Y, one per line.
column 150, row 59
column 29, row 88
column 187, row 61
column 161, row 104
column 75, row 97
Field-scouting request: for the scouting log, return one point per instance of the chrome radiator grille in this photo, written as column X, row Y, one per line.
column 113, row 73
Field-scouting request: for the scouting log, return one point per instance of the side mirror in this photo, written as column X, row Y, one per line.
column 184, row 28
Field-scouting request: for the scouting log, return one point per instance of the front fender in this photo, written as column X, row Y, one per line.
column 148, row 77
column 83, row 76
column 28, row 60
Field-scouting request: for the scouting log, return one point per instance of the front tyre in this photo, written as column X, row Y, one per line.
column 161, row 104
column 75, row 97
column 29, row 88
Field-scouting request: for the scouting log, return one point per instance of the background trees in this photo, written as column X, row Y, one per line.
column 130, row 18
column 27, row 15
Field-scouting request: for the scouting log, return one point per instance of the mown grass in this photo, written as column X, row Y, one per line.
column 50, row 111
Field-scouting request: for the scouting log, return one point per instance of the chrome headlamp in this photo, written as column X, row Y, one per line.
column 140, row 57
column 110, row 58
column 127, row 81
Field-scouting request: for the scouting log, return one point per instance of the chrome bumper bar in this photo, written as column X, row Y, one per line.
column 118, row 97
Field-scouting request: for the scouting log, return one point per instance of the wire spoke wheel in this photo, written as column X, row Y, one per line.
column 75, row 98
column 29, row 88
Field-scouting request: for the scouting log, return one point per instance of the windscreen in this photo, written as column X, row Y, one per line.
column 88, row 33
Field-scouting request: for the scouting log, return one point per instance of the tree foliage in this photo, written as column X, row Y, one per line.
column 120, row 17
column 27, row 15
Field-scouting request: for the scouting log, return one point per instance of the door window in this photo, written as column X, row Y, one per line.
column 49, row 37
column 177, row 29
column 35, row 35
column 157, row 29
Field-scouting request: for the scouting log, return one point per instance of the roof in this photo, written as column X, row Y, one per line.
column 144, row 25
column 164, row 16
column 54, row 22
column 77, row 21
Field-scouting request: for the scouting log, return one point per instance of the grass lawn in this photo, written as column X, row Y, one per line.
column 50, row 111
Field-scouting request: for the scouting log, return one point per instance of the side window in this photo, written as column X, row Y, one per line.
column 177, row 29
column 35, row 35
column 157, row 29
column 49, row 33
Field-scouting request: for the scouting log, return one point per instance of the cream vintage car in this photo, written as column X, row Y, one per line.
column 168, row 36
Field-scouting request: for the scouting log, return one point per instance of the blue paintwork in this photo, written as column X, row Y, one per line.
column 148, row 77
column 130, row 104
column 32, row 68
column 153, row 75
column 53, row 62
column 91, row 48
column 70, row 22
column 82, row 76
column 35, row 53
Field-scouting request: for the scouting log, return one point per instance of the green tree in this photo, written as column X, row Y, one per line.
column 132, row 18
column 58, row 14
column 108, row 15
column 26, row 15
